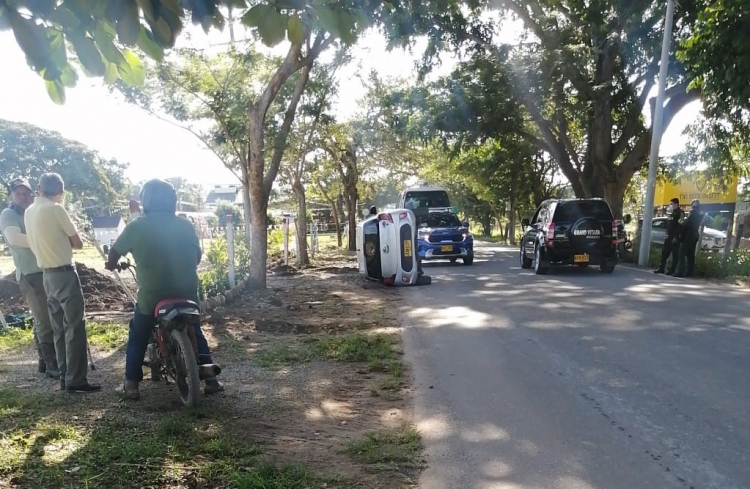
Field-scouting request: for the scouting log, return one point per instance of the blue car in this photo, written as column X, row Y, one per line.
column 442, row 236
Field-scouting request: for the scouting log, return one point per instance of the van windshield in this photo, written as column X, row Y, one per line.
column 443, row 220
column 427, row 198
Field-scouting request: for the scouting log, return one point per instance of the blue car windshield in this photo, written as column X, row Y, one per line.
column 442, row 220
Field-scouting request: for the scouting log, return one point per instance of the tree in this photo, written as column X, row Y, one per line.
column 29, row 151
column 717, row 55
column 187, row 193
column 299, row 156
column 582, row 76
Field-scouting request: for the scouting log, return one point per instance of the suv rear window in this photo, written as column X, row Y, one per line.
column 442, row 220
column 432, row 198
column 572, row 211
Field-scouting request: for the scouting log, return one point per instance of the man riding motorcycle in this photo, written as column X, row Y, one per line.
column 166, row 251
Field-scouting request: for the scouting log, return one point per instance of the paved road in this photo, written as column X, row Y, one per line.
column 579, row 380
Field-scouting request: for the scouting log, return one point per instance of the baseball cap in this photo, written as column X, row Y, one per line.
column 19, row 182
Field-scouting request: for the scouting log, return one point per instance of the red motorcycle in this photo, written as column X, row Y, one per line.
column 173, row 350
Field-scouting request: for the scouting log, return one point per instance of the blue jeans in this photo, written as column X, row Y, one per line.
column 141, row 327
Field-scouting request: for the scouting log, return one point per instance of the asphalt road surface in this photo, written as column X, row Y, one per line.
column 577, row 379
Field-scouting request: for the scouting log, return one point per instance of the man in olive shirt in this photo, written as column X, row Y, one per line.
column 166, row 251
column 52, row 237
column 28, row 274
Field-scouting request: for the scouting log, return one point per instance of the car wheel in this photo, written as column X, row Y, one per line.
column 539, row 269
column 525, row 262
column 453, row 260
column 607, row 267
column 469, row 260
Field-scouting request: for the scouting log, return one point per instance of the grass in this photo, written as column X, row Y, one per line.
column 42, row 445
column 397, row 448
column 375, row 350
column 103, row 336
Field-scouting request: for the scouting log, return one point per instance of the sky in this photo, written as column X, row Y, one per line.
column 157, row 149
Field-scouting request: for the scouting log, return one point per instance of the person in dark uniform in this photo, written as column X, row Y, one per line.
column 672, row 241
column 689, row 240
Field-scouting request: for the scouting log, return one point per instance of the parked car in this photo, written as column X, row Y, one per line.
column 443, row 236
column 385, row 248
column 424, row 197
column 578, row 232
column 713, row 239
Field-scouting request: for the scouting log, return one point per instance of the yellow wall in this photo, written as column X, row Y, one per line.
column 688, row 189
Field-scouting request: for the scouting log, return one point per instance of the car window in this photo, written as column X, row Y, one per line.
column 660, row 224
column 430, row 198
column 442, row 220
column 535, row 219
column 572, row 211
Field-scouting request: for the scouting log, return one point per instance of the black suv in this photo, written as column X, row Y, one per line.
column 570, row 232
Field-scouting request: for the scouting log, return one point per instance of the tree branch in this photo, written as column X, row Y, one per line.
column 286, row 126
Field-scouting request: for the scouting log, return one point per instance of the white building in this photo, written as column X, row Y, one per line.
column 219, row 193
column 107, row 228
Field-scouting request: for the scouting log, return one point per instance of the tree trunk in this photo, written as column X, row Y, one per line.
column 341, row 206
column 258, row 206
column 486, row 223
column 351, row 211
column 614, row 194
column 336, row 222
column 512, row 221
column 246, row 206
column 302, row 257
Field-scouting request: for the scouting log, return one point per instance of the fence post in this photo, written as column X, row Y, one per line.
column 230, row 248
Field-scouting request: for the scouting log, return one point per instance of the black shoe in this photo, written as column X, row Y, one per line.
column 679, row 275
column 84, row 389
column 62, row 384
column 51, row 375
column 659, row 270
column 42, row 368
column 669, row 273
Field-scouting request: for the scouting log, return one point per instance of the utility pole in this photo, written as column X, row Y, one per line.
column 656, row 133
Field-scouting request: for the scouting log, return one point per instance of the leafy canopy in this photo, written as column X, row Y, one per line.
column 102, row 34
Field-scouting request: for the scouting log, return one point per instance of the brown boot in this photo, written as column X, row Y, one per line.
column 129, row 390
column 212, row 386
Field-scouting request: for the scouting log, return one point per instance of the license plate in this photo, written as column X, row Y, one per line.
column 407, row 248
column 447, row 248
column 581, row 258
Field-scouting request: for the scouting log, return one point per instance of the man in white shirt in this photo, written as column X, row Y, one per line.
column 52, row 237
column 28, row 274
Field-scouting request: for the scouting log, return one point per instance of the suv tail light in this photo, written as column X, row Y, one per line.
column 385, row 217
column 389, row 280
column 551, row 231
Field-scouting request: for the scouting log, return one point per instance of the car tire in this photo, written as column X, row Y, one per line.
column 607, row 267
column 469, row 260
column 539, row 269
column 525, row 262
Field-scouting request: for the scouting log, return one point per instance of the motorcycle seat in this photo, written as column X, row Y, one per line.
column 166, row 306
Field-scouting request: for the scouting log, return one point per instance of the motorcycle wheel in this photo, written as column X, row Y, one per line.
column 186, row 368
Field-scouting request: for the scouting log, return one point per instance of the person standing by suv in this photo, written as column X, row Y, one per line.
column 689, row 239
column 672, row 241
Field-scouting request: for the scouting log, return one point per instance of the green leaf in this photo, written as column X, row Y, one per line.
column 132, row 71
column 111, row 73
column 148, row 10
column 162, row 32
column 257, row 14
column 88, row 54
column 62, row 16
column 58, row 51
column 148, row 45
column 295, row 29
column 347, row 28
column 56, row 91
column 32, row 39
column 272, row 30
column 328, row 20
column 104, row 41
column 129, row 24
column 69, row 77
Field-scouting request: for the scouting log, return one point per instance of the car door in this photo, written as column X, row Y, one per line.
column 659, row 231
column 531, row 233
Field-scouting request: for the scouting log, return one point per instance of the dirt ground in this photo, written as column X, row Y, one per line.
column 300, row 406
